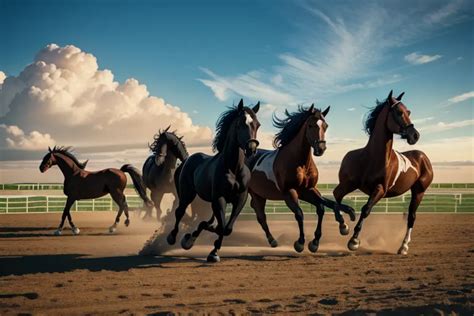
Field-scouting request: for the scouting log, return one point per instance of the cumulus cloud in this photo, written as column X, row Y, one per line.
column 442, row 126
column 17, row 139
column 64, row 93
column 417, row 59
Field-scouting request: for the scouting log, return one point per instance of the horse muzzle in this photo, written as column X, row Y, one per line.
column 410, row 134
column 251, row 147
column 319, row 147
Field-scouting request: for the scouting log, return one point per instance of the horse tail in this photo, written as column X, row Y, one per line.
column 137, row 182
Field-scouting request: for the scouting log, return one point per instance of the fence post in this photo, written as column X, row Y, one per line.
column 111, row 204
column 6, row 206
column 27, row 204
column 386, row 205
column 47, row 204
column 93, row 205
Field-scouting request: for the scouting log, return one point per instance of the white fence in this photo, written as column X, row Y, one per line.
column 432, row 202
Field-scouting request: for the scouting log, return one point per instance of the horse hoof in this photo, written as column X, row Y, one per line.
column 58, row 232
column 403, row 250
column 127, row 222
column 171, row 239
column 273, row 243
column 344, row 229
column 353, row 244
column 112, row 229
column 313, row 245
column 298, row 247
column 187, row 242
column 76, row 230
column 213, row 258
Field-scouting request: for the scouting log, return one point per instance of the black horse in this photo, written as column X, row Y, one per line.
column 219, row 179
column 159, row 168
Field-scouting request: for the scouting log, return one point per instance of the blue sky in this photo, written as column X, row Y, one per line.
column 203, row 56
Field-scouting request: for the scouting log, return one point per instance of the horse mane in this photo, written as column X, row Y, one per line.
column 290, row 125
column 176, row 142
column 223, row 126
column 66, row 151
column 371, row 116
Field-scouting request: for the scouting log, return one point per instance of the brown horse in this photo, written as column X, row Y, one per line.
column 289, row 173
column 80, row 184
column 379, row 171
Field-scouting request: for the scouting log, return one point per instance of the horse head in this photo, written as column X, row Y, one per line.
column 316, row 127
column 246, row 127
column 398, row 120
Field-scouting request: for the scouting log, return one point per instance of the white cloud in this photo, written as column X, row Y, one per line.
column 351, row 109
column 422, row 120
column 461, row 97
column 2, row 77
column 338, row 50
column 442, row 126
column 417, row 59
column 33, row 141
column 64, row 93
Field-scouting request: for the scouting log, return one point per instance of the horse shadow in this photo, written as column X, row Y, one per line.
column 60, row 263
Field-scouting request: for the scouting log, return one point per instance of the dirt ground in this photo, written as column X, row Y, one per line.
column 101, row 273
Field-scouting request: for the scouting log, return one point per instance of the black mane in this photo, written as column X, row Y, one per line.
column 222, row 128
column 290, row 125
column 171, row 138
column 372, row 115
column 66, row 151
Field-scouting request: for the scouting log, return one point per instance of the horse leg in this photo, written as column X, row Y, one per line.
column 156, row 198
column 376, row 195
column 218, row 208
column 67, row 207
column 179, row 213
column 148, row 208
column 237, row 206
column 314, row 197
column 291, row 200
column 75, row 230
column 258, row 205
column 416, row 198
column 341, row 190
column 119, row 198
column 188, row 240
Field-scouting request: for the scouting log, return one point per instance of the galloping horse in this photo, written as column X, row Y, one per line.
column 159, row 168
column 289, row 173
column 379, row 171
column 80, row 184
column 219, row 179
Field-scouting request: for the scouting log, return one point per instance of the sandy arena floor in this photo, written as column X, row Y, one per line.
column 99, row 273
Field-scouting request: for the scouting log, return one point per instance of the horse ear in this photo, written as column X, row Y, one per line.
column 49, row 149
column 240, row 107
column 399, row 98
column 167, row 129
column 390, row 95
column 311, row 108
column 325, row 112
column 256, row 107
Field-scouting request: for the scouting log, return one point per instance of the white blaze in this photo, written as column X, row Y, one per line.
column 248, row 119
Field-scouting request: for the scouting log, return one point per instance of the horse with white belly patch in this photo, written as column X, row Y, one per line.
column 289, row 173
column 381, row 172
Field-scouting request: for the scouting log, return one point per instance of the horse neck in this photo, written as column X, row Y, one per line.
column 66, row 165
column 379, row 146
column 299, row 149
column 182, row 153
column 233, row 155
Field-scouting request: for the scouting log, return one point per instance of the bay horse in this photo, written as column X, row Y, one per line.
column 381, row 172
column 80, row 184
column 159, row 168
column 219, row 179
column 289, row 173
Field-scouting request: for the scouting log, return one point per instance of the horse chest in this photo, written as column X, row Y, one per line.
column 235, row 182
column 305, row 177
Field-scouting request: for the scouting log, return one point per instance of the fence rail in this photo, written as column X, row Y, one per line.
column 434, row 202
